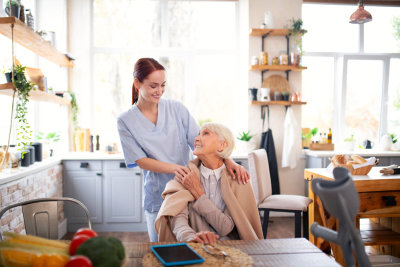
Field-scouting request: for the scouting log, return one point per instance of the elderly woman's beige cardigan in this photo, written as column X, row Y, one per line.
column 239, row 200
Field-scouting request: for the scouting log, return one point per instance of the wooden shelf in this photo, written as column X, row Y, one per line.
column 8, row 89
column 270, row 32
column 26, row 37
column 373, row 234
column 276, row 68
column 282, row 103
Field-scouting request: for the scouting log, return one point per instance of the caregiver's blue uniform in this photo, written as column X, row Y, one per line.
column 168, row 141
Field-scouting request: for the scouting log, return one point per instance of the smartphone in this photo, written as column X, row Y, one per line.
column 176, row 254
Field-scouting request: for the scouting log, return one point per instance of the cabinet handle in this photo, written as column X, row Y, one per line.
column 389, row 200
column 84, row 164
column 99, row 173
column 138, row 173
column 122, row 165
column 238, row 162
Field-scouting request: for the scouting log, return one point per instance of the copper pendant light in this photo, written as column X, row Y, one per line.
column 361, row 15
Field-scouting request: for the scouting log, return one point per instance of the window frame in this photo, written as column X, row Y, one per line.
column 340, row 82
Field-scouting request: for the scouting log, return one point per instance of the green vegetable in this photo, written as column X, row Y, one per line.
column 103, row 251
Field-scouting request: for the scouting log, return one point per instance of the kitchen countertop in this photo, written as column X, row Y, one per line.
column 361, row 152
column 10, row 175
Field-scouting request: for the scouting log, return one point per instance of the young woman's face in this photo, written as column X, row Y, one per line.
column 152, row 88
column 207, row 142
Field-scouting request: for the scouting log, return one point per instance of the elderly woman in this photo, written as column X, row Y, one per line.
column 206, row 204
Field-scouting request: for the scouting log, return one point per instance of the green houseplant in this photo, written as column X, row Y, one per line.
column 50, row 139
column 15, row 8
column 243, row 143
column 24, row 133
column 296, row 31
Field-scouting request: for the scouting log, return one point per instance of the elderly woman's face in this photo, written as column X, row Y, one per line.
column 207, row 142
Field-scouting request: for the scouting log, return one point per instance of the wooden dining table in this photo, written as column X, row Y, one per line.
column 379, row 204
column 267, row 252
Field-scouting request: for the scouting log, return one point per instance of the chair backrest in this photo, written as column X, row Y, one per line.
column 41, row 215
column 341, row 200
column 259, row 173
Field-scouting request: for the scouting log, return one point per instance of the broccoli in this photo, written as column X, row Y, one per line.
column 103, row 251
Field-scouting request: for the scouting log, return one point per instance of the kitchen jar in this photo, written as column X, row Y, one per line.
column 254, row 60
column 284, row 59
column 264, row 94
column 277, row 96
column 294, row 59
column 264, row 58
column 275, row 61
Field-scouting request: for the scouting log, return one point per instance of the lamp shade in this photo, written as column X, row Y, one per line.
column 361, row 15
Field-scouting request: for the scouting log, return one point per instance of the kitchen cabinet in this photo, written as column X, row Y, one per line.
column 20, row 33
column 111, row 192
column 264, row 33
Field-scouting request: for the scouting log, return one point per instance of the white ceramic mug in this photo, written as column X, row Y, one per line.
column 264, row 94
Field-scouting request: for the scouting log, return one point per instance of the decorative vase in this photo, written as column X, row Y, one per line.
column 15, row 11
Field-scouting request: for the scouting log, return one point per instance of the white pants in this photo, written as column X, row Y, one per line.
column 151, row 230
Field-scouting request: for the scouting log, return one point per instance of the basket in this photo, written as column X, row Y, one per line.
column 360, row 171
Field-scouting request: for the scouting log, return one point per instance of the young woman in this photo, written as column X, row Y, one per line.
column 157, row 135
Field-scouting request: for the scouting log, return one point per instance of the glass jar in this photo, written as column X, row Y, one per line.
column 275, row 61
column 284, row 58
column 264, row 58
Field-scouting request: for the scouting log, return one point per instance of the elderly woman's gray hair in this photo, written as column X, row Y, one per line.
column 224, row 134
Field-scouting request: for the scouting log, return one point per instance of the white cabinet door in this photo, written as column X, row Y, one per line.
column 123, row 198
column 86, row 186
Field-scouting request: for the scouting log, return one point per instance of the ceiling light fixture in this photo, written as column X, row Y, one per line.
column 361, row 15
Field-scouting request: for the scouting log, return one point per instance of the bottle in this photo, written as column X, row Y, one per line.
column 325, row 140
column 330, row 136
column 97, row 143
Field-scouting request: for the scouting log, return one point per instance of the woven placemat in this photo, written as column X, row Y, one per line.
column 235, row 257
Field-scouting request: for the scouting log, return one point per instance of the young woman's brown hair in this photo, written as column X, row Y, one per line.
column 143, row 68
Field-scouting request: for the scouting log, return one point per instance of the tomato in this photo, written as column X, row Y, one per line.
column 76, row 242
column 86, row 231
column 79, row 261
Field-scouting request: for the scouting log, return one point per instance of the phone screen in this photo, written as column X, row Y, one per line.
column 176, row 253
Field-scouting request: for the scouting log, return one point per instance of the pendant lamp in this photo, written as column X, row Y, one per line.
column 361, row 15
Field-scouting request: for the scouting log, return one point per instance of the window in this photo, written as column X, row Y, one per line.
column 352, row 73
column 196, row 41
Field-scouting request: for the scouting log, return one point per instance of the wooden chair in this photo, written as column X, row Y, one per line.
column 41, row 215
column 260, row 179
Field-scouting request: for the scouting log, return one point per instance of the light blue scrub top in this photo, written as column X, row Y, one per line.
column 171, row 140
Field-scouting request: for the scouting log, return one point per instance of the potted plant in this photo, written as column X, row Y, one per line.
column 285, row 96
column 307, row 136
column 349, row 143
column 243, row 142
column 296, row 32
column 15, row 8
column 24, row 133
column 49, row 139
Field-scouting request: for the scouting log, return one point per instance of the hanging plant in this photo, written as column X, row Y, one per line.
column 74, row 110
column 24, row 132
column 295, row 30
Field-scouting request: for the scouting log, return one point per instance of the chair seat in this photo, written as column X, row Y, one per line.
column 285, row 202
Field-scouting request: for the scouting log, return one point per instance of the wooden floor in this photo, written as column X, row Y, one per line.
column 278, row 227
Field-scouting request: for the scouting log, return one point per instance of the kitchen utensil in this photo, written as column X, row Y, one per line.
column 265, row 94
column 253, row 92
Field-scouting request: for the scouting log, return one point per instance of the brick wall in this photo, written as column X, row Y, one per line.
column 45, row 183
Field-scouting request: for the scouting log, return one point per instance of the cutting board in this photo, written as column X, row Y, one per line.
column 276, row 83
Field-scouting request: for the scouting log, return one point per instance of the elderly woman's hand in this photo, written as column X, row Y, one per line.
column 192, row 183
column 237, row 171
column 206, row 237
